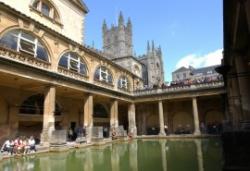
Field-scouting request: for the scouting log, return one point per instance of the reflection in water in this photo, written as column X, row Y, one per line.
column 137, row 155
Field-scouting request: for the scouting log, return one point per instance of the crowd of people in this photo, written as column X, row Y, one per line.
column 20, row 145
column 188, row 82
column 185, row 82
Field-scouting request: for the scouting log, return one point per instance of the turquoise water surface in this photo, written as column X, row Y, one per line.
column 136, row 155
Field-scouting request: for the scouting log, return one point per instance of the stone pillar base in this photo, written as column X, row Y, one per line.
column 162, row 134
column 197, row 133
column 132, row 132
column 44, row 139
column 88, row 132
column 47, row 134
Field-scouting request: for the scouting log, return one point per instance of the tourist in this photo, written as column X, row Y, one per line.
column 7, row 147
column 18, row 146
column 166, row 129
column 26, row 146
column 32, row 144
column 70, row 134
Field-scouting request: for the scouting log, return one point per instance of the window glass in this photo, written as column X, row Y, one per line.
column 45, row 9
column 74, row 65
column 83, row 68
column 123, row 82
column 35, row 4
column 42, row 53
column 110, row 80
column 9, row 41
column 24, row 42
column 27, row 36
column 103, row 74
column 73, row 62
column 27, row 46
column 63, row 62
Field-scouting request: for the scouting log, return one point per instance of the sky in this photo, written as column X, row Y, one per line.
column 189, row 32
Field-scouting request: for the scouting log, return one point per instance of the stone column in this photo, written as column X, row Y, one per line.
column 48, row 114
column 196, row 117
column 88, row 117
column 114, row 115
column 161, row 118
column 131, row 120
column 243, row 86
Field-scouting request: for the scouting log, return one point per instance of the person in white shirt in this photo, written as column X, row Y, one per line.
column 32, row 143
column 7, row 147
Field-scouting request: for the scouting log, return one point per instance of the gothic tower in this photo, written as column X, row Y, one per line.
column 117, row 41
column 154, row 63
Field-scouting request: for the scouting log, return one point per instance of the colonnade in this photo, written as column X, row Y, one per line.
column 49, row 117
column 195, row 117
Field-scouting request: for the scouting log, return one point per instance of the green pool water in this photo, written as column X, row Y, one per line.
column 137, row 155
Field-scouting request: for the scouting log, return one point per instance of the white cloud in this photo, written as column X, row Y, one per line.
column 197, row 61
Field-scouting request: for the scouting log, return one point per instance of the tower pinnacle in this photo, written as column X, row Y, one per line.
column 121, row 20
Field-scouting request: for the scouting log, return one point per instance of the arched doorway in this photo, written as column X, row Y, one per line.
column 213, row 121
column 182, row 123
column 31, row 110
column 152, row 124
column 101, row 118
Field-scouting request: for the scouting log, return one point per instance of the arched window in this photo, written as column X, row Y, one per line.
column 46, row 9
column 73, row 62
column 103, row 74
column 100, row 111
column 23, row 42
column 34, row 105
column 136, row 70
column 123, row 82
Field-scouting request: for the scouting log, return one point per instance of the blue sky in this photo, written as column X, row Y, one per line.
column 189, row 32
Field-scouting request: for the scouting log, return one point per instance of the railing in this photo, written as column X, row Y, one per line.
column 71, row 74
column 23, row 58
column 214, row 84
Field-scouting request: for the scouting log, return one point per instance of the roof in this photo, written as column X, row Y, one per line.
column 80, row 4
column 205, row 70
column 181, row 69
column 125, row 57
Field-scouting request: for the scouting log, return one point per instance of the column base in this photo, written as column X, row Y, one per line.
column 88, row 132
column 47, row 133
column 132, row 131
column 162, row 134
column 197, row 133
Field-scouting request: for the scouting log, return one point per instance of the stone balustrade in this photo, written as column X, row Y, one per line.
column 71, row 74
column 23, row 58
column 215, row 84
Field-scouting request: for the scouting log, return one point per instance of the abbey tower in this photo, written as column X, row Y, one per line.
column 117, row 41
column 118, row 46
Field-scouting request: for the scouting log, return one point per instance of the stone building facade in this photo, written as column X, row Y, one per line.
column 118, row 46
column 51, row 81
column 192, row 73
